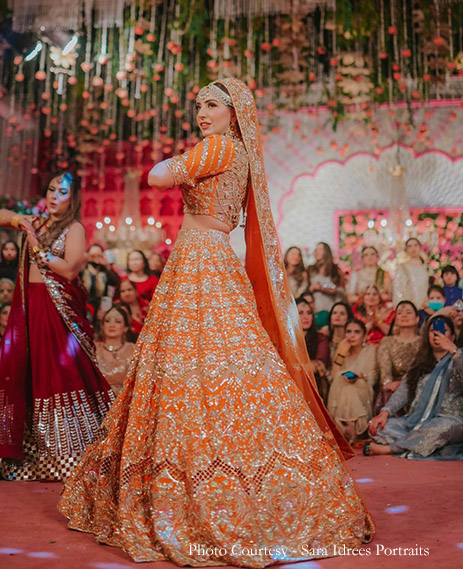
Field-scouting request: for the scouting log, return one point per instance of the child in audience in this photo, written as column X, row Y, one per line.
column 452, row 291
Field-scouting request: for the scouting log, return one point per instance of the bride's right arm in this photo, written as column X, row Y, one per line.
column 209, row 157
column 160, row 177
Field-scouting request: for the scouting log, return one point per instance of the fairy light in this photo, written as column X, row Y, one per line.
column 99, row 225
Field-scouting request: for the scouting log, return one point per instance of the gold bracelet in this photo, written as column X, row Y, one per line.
column 15, row 220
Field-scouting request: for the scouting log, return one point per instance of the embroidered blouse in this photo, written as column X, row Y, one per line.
column 213, row 176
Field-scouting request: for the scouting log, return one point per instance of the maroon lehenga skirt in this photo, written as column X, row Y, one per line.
column 66, row 396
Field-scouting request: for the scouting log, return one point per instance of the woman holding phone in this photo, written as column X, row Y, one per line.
column 351, row 394
column 432, row 428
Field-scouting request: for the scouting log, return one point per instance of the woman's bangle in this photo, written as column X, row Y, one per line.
column 43, row 258
column 387, row 381
column 15, row 220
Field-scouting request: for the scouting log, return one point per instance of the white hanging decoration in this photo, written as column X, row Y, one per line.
column 46, row 15
column 236, row 8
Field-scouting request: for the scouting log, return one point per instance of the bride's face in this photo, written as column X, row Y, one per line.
column 213, row 117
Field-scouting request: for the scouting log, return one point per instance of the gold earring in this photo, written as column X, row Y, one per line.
column 233, row 130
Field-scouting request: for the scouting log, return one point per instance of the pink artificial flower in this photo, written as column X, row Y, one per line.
column 441, row 220
column 347, row 226
column 362, row 224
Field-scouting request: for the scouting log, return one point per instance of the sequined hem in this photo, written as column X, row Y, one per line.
column 210, row 441
column 62, row 427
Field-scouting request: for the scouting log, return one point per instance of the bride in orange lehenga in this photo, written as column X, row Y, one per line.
column 218, row 450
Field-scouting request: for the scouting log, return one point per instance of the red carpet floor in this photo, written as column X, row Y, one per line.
column 415, row 505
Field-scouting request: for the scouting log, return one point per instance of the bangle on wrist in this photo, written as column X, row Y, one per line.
column 387, row 381
column 43, row 258
column 454, row 351
column 14, row 221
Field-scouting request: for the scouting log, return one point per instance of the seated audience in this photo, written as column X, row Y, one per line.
column 156, row 264
column 317, row 346
column 456, row 314
column 413, row 277
column 350, row 398
column 435, row 301
column 6, row 291
column 452, row 291
column 138, row 271
column 326, row 281
column 397, row 352
column 370, row 274
column 297, row 275
column 339, row 315
column 113, row 353
column 4, row 313
column 9, row 259
column 432, row 428
column 98, row 277
column 128, row 294
column 371, row 310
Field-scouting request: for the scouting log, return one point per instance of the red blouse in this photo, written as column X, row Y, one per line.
column 146, row 288
column 375, row 335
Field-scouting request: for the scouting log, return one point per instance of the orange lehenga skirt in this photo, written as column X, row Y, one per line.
column 210, row 455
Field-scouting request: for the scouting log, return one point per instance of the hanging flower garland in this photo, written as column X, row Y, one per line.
column 132, row 73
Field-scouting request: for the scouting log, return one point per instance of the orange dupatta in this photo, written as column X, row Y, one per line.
column 264, row 265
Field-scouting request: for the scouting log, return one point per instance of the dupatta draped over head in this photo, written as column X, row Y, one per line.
column 265, row 268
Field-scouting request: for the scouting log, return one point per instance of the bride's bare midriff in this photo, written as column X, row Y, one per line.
column 191, row 221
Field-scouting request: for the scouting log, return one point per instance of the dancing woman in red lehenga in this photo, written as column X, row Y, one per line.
column 218, row 450
column 52, row 395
